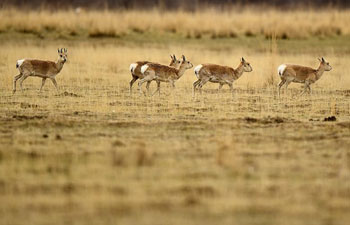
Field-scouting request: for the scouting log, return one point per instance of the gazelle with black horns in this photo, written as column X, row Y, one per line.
column 135, row 69
column 40, row 68
column 162, row 73
column 219, row 74
column 301, row 74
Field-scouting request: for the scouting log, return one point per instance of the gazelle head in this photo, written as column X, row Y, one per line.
column 62, row 55
column 325, row 64
column 174, row 62
column 246, row 65
column 185, row 63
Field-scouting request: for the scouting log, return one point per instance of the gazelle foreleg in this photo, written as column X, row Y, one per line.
column 309, row 89
column 42, row 84
column 54, row 83
column 158, row 88
column 220, row 86
column 231, row 88
column 306, row 87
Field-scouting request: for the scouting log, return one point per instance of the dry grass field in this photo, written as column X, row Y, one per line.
column 92, row 154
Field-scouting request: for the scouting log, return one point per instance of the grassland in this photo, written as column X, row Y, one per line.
column 249, row 22
column 92, row 154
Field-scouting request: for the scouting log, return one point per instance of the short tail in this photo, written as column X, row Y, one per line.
column 197, row 69
column 132, row 67
column 19, row 63
column 281, row 69
column 144, row 68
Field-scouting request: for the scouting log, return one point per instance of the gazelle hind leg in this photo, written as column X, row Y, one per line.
column 21, row 81
column 147, row 86
column 134, row 78
column 195, row 85
column 15, row 80
column 287, row 84
column 204, row 81
column 279, row 87
column 143, row 80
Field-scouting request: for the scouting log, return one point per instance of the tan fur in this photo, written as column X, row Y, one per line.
column 40, row 68
column 303, row 74
column 220, row 74
column 136, row 74
column 162, row 73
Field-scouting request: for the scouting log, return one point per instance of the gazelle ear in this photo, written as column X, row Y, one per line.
column 174, row 57
column 58, row 50
column 319, row 59
column 323, row 60
column 242, row 59
column 65, row 50
column 171, row 57
column 183, row 58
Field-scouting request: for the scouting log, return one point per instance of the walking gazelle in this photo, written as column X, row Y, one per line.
column 301, row 74
column 40, row 68
column 135, row 69
column 162, row 73
column 219, row 74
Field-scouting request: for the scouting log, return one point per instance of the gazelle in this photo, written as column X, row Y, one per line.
column 219, row 74
column 40, row 68
column 135, row 69
column 162, row 73
column 301, row 74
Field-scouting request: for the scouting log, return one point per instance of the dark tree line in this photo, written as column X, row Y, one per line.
column 168, row 4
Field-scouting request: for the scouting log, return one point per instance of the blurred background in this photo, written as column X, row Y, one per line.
column 170, row 4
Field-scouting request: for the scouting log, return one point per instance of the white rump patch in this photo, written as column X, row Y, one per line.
column 133, row 67
column 197, row 69
column 144, row 68
column 281, row 69
column 19, row 63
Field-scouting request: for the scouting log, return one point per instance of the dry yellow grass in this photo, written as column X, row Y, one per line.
column 246, row 21
column 92, row 154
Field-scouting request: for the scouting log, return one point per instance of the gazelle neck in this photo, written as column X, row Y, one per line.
column 181, row 71
column 319, row 72
column 239, row 71
column 59, row 65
